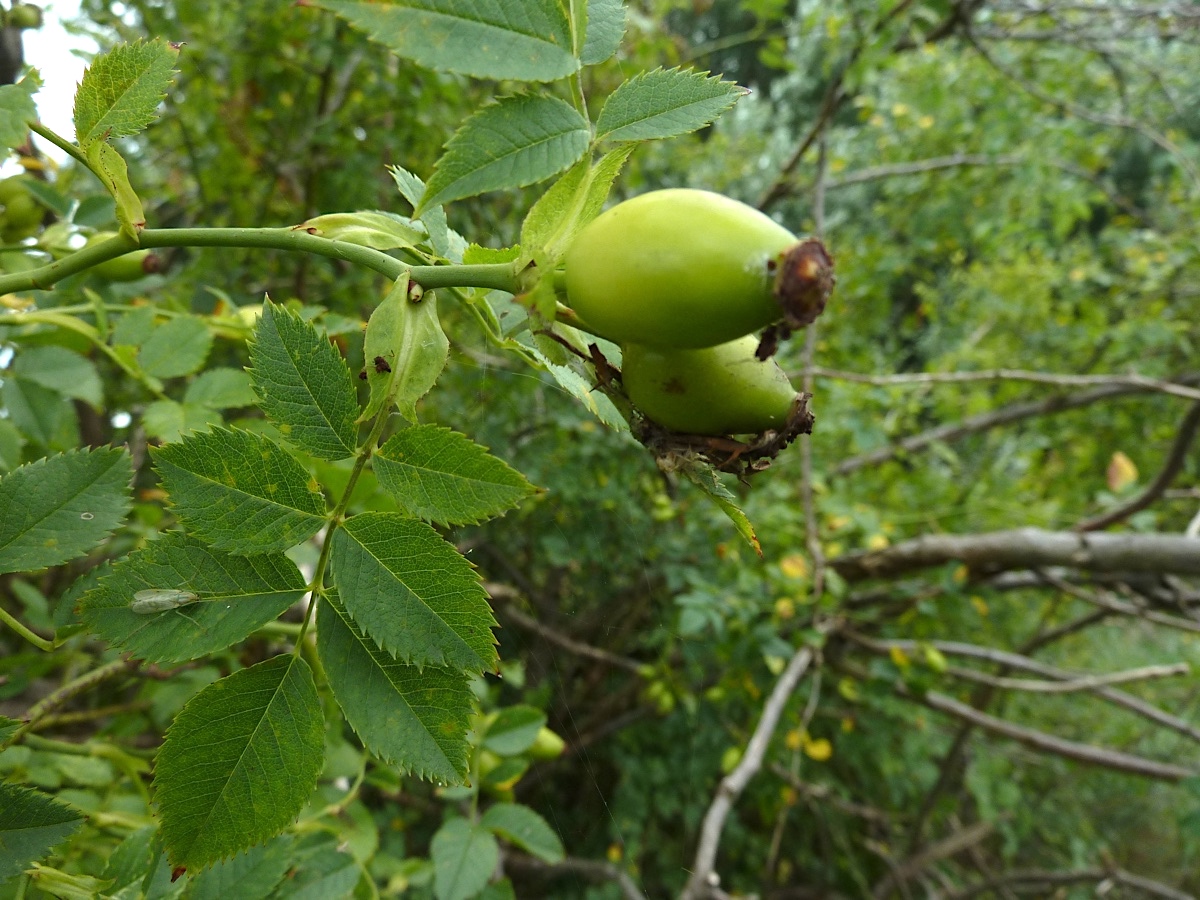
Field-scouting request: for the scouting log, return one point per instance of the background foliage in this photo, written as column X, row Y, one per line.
column 1004, row 186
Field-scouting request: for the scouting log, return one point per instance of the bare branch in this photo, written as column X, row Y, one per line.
column 1088, row 115
column 920, row 166
column 1005, row 415
column 1043, row 880
column 825, row 794
column 1171, row 468
column 1028, row 548
column 938, row 850
column 703, row 878
column 1075, row 685
column 1105, row 600
column 589, row 868
column 1131, row 379
column 1026, row 664
column 1048, row 743
column 510, row 612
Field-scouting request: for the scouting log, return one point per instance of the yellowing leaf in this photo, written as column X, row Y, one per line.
column 847, row 724
column 785, row 608
column 614, row 853
column 794, row 566
column 794, row 739
column 877, row 542
column 730, row 758
column 980, row 605
column 848, row 688
column 899, row 657
column 820, row 750
column 1121, row 472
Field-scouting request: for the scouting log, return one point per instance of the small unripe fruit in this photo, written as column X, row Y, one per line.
column 686, row 269
column 25, row 15
column 712, row 391
column 22, row 215
column 129, row 267
column 547, row 745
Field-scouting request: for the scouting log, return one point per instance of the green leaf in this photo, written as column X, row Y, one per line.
column 62, row 506
column 413, row 718
column 304, row 384
column 464, row 857
column 511, row 143
column 379, row 230
column 238, row 594
column 575, row 199
column 11, row 442
column 581, row 389
column 319, row 871
column 132, row 859
column 122, row 89
column 605, row 30
column 252, row 875
column 446, row 242
column 63, row 885
column 521, row 826
column 525, row 40
column 705, row 477
column 437, row 474
column 30, row 825
column 221, row 388
column 17, row 110
column 8, row 727
column 240, row 491
column 664, row 103
column 239, row 762
column 514, row 730
column 110, row 168
column 177, row 347
column 405, row 350
column 42, row 415
column 61, row 370
column 411, row 592
column 171, row 421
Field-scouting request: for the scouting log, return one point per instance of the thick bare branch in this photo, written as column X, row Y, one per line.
column 1028, row 548
column 1170, row 470
column 1005, row 415
column 1048, row 743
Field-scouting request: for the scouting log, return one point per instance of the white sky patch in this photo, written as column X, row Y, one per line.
column 56, row 55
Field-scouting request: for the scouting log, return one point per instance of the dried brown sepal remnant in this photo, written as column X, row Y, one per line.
column 804, row 281
column 726, row 454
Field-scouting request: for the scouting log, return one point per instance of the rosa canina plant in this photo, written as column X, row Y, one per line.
column 402, row 623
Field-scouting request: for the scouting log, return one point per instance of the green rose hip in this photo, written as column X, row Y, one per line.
column 687, row 269
column 710, row 391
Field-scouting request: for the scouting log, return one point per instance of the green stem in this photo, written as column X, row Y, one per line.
column 494, row 276
column 61, row 143
column 360, row 463
column 40, row 642
column 84, row 682
column 57, row 318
